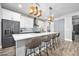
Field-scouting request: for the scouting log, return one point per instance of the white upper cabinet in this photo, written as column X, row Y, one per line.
column 10, row 15
column 26, row 22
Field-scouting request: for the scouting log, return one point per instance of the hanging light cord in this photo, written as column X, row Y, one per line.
column 50, row 8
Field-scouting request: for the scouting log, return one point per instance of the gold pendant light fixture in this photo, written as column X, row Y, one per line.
column 34, row 10
column 39, row 13
column 31, row 10
column 50, row 17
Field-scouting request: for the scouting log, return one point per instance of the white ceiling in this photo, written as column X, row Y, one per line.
column 59, row 9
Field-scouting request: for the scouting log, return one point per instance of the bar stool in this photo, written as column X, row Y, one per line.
column 53, row 40
column 47, row 41
column 35, row 42
column 57, row 39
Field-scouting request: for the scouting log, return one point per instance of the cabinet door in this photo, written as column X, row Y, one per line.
column 16, row 16
column 6, row 14
column 26, row 22
column 8, row 42
column 16, row 27
column 10, row 15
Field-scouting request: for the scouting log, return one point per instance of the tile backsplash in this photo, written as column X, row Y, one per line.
column 26, row 29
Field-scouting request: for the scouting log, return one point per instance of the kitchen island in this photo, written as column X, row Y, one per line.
column 22, row 39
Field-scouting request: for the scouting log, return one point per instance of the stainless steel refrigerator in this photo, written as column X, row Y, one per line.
column 9, row 27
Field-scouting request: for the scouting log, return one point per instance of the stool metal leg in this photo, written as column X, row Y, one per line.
column 53, row 44
column 47, row 48
column 40, row 50
column 26, row 52
column 50, row 45
column 30, row 51
column 34, row 51
column 56, row 42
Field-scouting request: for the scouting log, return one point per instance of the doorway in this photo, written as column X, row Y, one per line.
column 59, row 27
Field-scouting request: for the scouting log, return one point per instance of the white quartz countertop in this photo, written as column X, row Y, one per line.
column 30, row 35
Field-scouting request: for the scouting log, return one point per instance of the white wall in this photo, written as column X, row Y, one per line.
column 59, row 27
column 0, row 23
column 68, row 28
column 68, row 25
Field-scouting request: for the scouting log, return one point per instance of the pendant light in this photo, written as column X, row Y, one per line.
column 31, row 9
column 39, row 13
column 35, row 10
column 50, row 18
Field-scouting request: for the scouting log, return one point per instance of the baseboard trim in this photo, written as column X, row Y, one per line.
column 0, row 46
column 68, row 40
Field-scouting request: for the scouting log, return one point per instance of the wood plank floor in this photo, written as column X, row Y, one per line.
column 8, row 51
column 65, row 48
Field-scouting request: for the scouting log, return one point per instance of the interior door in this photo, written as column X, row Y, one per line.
column 59, row 27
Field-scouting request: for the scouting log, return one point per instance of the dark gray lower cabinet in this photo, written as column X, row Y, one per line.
column 8, row 42
column 8, row 28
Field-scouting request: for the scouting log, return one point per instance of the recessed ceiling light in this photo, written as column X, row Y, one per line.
column 20, row 5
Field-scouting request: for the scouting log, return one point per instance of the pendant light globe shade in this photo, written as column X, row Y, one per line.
column 39, row 13
column 31, row 9
column 49, row 18
column 35, row 10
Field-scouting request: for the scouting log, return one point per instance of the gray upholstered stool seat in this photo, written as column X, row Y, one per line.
column 53, row 40
column 57, row 40
column 47, row 41
column 35, row 42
